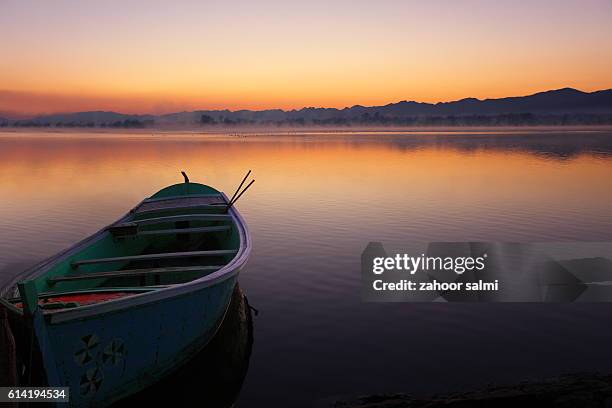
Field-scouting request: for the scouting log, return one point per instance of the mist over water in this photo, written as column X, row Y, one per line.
column 317, row 202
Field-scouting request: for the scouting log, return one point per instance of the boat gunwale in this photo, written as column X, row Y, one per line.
column 229, row 270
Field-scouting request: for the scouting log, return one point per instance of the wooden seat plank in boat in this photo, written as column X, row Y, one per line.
column 133, row 272
column 210, row 197
column 131, row 230
column 180, row 202
column 163, row 255
column 219, row 228
column 175, row 218
column 211, row 207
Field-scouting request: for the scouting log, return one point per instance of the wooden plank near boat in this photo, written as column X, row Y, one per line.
column 133, row 272
column 147, row 257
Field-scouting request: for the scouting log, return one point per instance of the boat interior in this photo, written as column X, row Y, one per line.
column 181, row 233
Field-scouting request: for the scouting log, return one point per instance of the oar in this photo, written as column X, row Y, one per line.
column 238, row 189
column 232, row 202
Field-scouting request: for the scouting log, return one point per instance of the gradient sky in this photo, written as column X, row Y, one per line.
column 155, row 57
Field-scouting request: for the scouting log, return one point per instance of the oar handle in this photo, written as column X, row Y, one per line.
column 232, row 202
column 238, row 189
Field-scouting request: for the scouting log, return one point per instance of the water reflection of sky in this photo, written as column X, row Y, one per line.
column 317, row 201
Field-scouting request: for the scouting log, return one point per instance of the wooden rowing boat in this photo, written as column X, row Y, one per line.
column 119, row 310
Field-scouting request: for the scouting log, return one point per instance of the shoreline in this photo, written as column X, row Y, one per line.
column 306, row 130
column 583, row 390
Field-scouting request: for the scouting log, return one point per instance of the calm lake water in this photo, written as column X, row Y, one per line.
column 317, row 202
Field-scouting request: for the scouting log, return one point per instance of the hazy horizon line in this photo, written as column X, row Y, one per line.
column 24, row 115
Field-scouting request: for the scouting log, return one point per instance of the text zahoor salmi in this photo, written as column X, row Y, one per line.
column 411, row 264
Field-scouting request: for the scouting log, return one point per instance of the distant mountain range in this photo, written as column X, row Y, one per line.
column 561, row 106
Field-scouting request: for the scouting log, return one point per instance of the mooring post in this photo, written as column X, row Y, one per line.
column 29, row 297
column 38, row 333
column 8, row 352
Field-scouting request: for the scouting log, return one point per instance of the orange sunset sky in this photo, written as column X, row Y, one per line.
column 158, row 57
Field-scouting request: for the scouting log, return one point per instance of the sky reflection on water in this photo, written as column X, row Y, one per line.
column 318, row 200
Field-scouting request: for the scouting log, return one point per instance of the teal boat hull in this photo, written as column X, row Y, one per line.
column 108, row 357
column 109, row 350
